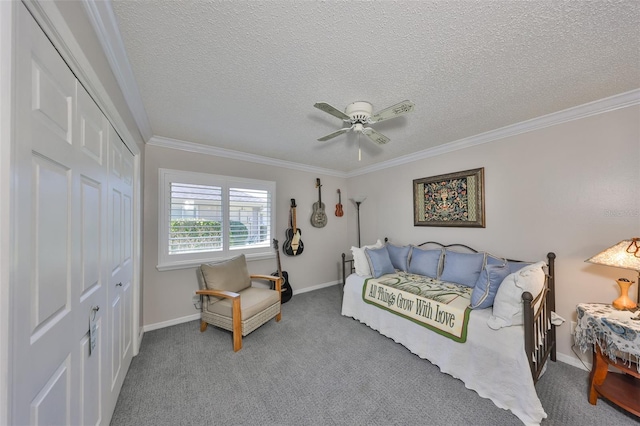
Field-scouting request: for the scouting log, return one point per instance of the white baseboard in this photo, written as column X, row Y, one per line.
column 572, row 360
column 176, row 321
column 136, row 350
column 315, row 287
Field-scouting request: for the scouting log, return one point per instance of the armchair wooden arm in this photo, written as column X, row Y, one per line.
column 276, row 280
column 219, row 293
column 235, row 314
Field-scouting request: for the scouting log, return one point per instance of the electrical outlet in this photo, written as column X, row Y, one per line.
column 196, row 298
column 573, row 327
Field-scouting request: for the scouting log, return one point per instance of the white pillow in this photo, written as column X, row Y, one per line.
column 360, row 262
column 507, row 306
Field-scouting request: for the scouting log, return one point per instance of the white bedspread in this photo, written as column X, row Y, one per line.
column 491, row 362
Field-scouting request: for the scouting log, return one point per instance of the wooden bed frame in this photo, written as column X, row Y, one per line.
column 539, row 335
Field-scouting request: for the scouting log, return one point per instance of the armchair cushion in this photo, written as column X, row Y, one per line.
column 253, row 300
column 230, row 275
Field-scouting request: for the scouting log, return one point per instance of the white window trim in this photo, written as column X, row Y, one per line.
column 167, row 262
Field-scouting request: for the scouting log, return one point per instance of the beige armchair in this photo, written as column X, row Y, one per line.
column 230, row 302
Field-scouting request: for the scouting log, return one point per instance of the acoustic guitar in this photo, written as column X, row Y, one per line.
column 318, row 217
column 285, row 291
column 339, row 211
column 293, row 244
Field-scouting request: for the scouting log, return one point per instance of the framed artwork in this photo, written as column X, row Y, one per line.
column 454, row 199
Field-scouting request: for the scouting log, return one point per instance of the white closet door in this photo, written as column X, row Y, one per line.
column 120, row 262
column 60, row 167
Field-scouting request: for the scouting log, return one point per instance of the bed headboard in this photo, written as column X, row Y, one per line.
column 348, row 266
column 458, row 247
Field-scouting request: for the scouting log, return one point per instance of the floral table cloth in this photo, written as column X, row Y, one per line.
column 617, row 333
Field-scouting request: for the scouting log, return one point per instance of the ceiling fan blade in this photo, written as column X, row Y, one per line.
column 375, row 136
column 323, row 106
column 392, row 111
column 334, row 134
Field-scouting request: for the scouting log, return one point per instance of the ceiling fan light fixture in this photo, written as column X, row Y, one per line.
column 359, row 111
column 358, row 114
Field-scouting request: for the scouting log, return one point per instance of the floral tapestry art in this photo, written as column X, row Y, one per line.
column 455, row 199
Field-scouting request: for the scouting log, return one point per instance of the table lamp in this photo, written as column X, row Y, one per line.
column 626, row 255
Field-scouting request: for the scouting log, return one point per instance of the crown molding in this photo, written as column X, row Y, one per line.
column 601, row 106
column 237, row 155
column 105, row 25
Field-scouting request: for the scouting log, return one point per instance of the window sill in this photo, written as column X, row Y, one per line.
column 187, row 264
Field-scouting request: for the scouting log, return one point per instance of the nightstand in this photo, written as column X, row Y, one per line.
column 614, row 338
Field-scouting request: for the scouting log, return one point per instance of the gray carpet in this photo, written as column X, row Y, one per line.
column 317, row 367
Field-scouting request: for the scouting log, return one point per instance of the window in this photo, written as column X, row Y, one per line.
column 205, row 217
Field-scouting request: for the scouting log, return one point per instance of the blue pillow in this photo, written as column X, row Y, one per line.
column 425, row 262
column 516, row 266
column 487, row 286
column 462, row 268
column 379, row 261
column 399, row 256
column 495, row 260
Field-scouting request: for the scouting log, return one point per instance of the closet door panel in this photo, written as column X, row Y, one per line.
column 91, row 252
column 51, row 98
column 120, row 169
column 91, row 380
column 42, row 340
column 50, row 283
column 61, row 256
column 51, row 405
column 90, row 259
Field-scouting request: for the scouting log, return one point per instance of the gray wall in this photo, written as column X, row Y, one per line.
column 571, row 189
column 167, row 295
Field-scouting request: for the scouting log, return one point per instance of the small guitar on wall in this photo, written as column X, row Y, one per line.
column 318, row 217
column 339, row 211
column 285, row 291
column 293, row 244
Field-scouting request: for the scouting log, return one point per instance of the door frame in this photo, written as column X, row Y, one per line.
column 7, row 37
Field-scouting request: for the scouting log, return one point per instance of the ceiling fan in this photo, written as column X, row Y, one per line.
column 358, row 114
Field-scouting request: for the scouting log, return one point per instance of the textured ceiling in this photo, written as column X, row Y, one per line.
column 244, row 75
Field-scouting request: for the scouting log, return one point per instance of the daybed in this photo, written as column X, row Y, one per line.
column 503, row 349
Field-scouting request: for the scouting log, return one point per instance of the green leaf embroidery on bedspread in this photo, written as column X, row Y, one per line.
column 431, row 288
column 438, row 305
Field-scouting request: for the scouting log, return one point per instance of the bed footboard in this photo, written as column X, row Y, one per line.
column 539, row 333
column 347, row 265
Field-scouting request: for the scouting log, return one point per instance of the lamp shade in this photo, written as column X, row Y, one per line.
column 625, row 255
column 359, row 198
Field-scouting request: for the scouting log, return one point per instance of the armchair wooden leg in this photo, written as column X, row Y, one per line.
column 203, row 326
column 237, row 340
column 279, row 316
column 237, row 324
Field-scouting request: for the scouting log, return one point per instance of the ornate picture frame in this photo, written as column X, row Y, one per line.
column 453, row 199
